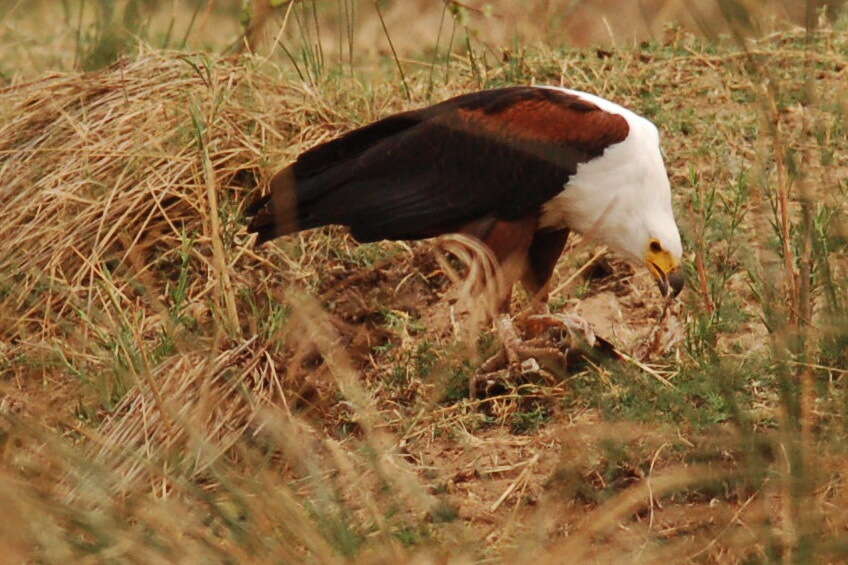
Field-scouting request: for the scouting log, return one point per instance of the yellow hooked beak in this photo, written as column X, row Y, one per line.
column 665, row 269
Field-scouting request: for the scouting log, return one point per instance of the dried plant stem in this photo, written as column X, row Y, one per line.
column 573, row 276
column 223, row 273
column 702, row 281
column 406, row 90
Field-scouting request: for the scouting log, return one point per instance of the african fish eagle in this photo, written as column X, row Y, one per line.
column 517, row 168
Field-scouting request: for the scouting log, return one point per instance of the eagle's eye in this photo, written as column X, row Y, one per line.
column 655, row 246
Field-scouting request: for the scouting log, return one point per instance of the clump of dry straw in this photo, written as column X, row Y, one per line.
column 113, row 182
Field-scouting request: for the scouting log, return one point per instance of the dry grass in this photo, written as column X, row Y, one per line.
column 40, row 35
column 173, row 394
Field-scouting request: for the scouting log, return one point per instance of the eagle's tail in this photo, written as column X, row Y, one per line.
column 275, row 214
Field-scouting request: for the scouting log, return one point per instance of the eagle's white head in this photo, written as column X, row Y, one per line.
column 623, row 199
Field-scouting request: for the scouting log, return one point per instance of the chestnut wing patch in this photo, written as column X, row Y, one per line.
column 562, row 121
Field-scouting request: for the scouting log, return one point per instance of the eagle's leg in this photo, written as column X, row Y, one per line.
column 544, row 252
column 530, row 256
column 542, row 257
column 510, row 242
column 530, row 344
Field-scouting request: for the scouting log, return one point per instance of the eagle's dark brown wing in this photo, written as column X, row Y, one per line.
column 496, row 154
